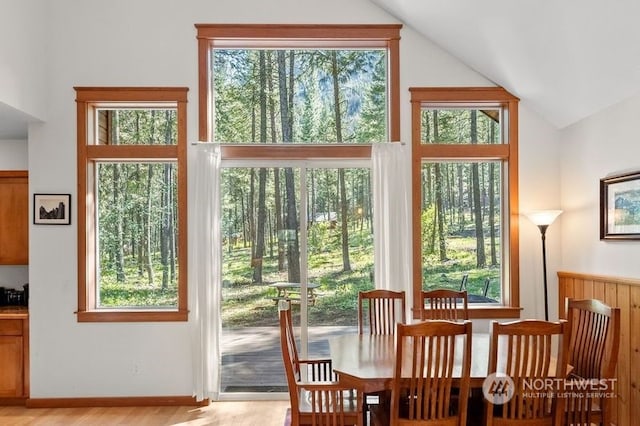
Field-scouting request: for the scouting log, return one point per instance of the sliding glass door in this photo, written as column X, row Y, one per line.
column 267, row 259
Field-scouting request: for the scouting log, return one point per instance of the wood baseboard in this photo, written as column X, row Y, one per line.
column 135, row 401
column 12, row 401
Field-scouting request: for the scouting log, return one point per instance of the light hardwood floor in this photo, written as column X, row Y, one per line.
column 232, row 413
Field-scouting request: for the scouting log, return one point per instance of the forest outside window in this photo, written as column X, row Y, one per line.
column 344, row 76
column 296, row 109
column 465, row 166
column 132, row 204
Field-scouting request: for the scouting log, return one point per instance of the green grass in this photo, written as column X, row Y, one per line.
column 245, row 303
column 250, row 304
column 136, row 290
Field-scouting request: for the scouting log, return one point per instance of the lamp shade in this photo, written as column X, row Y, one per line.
column 543, row 217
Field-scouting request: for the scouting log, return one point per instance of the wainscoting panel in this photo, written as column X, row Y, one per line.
column 623, row 293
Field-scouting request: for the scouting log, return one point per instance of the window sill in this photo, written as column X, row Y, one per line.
column 496, row 311
column 487, row 312
column 132, row 316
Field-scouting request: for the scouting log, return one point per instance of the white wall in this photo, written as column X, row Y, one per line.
column 539, row 185
column 601, row 145
column 13, row 156
column 22, row 55
column 148, row 43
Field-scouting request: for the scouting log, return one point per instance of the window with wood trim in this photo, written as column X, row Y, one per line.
column 132, row 226
column 296, row 109
column 287, row 52
column 465, row 196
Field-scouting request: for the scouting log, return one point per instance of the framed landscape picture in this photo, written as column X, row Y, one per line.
column 52, row 209
column 620, row 207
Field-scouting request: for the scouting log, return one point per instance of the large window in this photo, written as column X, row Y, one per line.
column 296, row 109
column 131, row 207
column 298, row 84
column 465, row 196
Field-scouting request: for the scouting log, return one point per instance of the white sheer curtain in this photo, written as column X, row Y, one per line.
column 392, row 242
column 206, row 273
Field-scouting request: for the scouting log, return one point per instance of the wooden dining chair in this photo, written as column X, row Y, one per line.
column 380, row 310
column 317, row 369
column 378, row 313
column 317, row 399
column 593, row 355
column 533, row 354
column 424, row 391
column 444, row 304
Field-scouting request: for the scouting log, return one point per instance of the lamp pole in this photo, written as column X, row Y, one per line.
column 543, row 232
column 542, row 219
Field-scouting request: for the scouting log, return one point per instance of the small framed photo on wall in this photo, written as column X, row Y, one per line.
column 52, row 209
column 620, row 207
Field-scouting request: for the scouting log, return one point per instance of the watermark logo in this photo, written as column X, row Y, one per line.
column 498, row 388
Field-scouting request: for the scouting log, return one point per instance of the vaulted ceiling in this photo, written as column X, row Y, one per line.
column 566, row 59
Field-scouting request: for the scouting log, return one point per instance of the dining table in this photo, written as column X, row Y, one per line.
column 367, row 362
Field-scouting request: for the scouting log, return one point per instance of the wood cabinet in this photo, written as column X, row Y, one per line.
column 14, row 217
column 14, row 354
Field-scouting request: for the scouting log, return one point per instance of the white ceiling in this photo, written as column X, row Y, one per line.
column 567, row 59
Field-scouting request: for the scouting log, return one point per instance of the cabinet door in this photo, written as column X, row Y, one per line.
column 14, row 218
column 11, row 356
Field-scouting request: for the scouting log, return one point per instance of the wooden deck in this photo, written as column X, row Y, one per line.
column 252, row 361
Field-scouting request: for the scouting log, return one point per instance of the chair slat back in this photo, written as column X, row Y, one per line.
column 424, row 373
column 444, row 304
column 381, row 310
column 593, row 354
column 323, row 403
column 533, row 354
column 327, row 406
column 595, row 338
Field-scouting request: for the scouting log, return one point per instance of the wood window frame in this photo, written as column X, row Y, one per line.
column 288, row 36
column 88, row 153
column 507, row 151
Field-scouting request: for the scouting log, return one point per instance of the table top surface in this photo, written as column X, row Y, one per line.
column 367, row 357
column 292, row 285
column 368, row 362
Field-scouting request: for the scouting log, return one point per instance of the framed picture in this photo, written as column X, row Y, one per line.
column 620, row 207
column 52, row 209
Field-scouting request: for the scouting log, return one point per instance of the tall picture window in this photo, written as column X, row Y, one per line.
column 465, row 193
column 132, row 204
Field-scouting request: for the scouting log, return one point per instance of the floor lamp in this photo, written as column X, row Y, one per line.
column 544, row 218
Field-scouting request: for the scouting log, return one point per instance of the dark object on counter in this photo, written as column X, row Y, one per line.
column 14, row 297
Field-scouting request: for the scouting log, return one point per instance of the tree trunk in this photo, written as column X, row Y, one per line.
column 118, row 205
column 148, row 250
column 262, row 176
column 460, row 174
column 346, row 264
column 442, row 247
column 481, row 260
column 492, row 204
column 276, row 171
column 291, row 218
column 166, row 206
